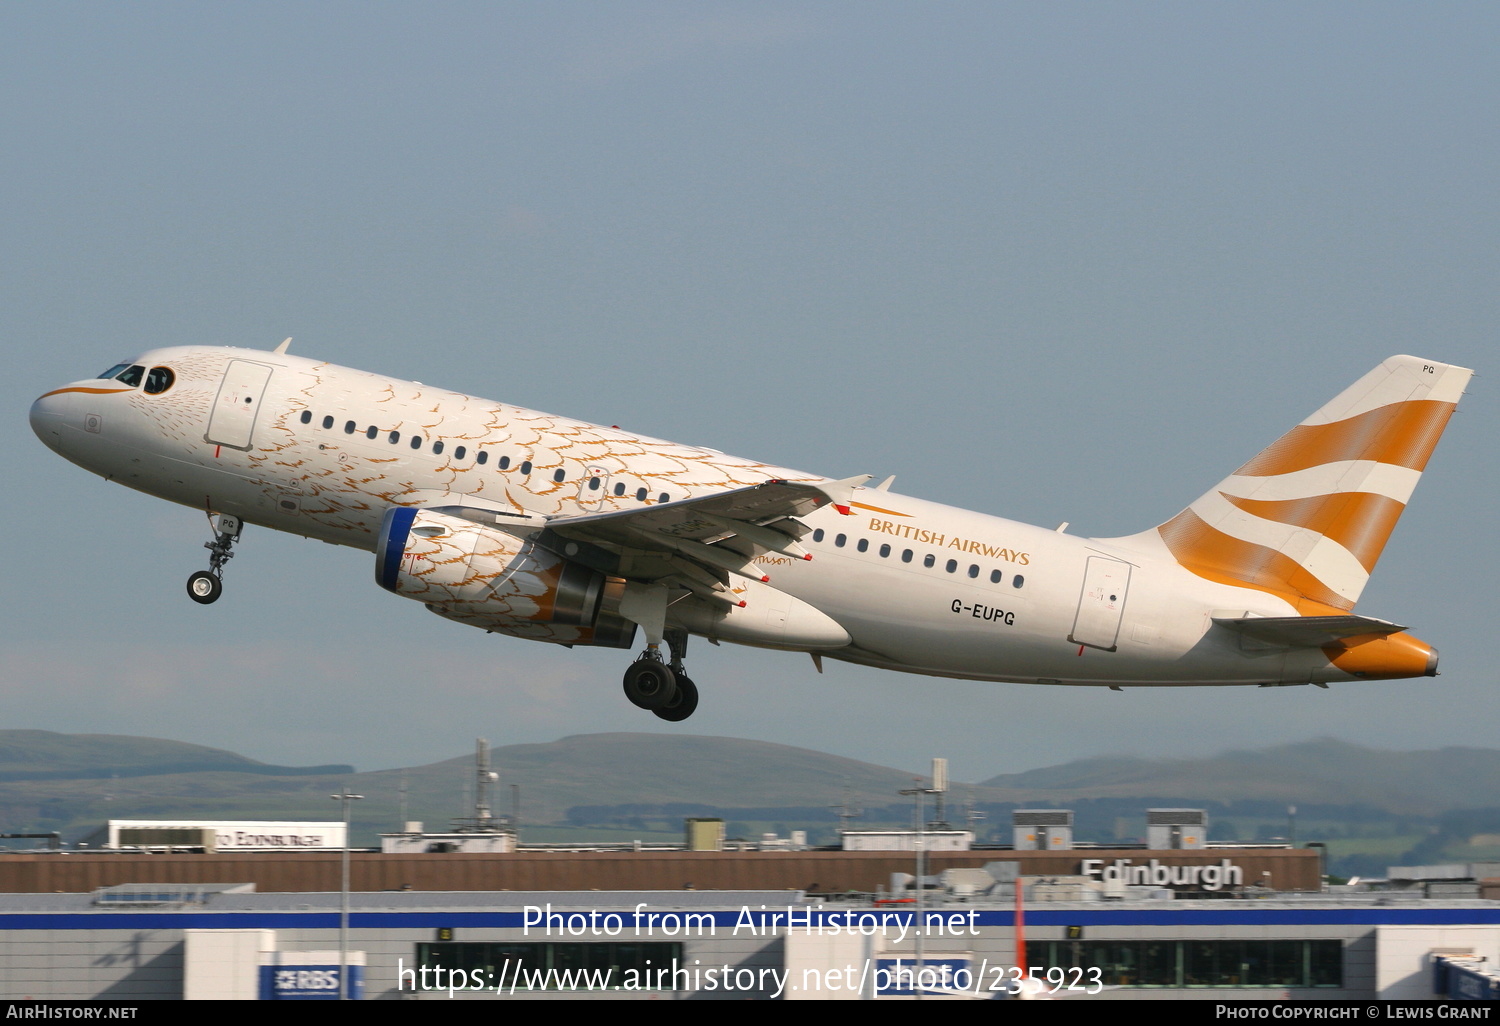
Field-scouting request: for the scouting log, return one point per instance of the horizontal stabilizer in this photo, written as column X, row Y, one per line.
column 1306, row 631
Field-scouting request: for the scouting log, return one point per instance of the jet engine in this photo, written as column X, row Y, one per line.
column 492, row 579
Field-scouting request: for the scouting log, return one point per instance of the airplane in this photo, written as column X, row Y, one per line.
column 540, row 527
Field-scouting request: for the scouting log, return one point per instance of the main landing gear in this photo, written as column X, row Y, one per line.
column 206, row 586
column 664, row 688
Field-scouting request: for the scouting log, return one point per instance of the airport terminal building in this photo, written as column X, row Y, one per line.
column 1111, row 925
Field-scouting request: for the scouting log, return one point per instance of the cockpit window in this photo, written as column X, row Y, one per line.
column 131, row 375
column 117, row 368
column 158, row 380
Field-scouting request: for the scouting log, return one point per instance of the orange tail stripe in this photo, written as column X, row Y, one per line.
column 1215, row 556
column 1403, row 434
column 1359, row 521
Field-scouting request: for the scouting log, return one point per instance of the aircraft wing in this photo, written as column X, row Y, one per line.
column 699, row 542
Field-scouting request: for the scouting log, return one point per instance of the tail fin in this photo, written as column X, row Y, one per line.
column 1307, row 519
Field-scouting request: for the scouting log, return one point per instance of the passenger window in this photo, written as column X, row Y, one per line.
column 839, row 540
column 885, row 550
column 619, row 488
column 1017, row 581
column 160, row 379
column 559, row 475
column 307, row 416
column 483, row 457
column 663, row 497
column 818, row 535
column 460, row 452
column 994, row 576
column 371, row 432
column 131, row 375
column 864, row 545
column 593, row 484
column 930, row 561
column 416, row 441
column 525, row 467
column 327, row 423
column 952, row 566
column 640, row 495
column 349, row 427
column 973, row 569
column 437, row 448
column 906, row 555
column 395, row 437
column 504, row 462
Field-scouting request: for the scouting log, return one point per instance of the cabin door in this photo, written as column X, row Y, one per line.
column 1097, row 622
column 231, row 423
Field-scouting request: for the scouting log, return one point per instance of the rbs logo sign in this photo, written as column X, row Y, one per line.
column 306, row 982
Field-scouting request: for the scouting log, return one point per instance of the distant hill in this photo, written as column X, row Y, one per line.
column 73, row 783
column 609, row 769
column 43, row 755
column 1325, row 771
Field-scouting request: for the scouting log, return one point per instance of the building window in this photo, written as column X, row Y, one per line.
column 1203, row 963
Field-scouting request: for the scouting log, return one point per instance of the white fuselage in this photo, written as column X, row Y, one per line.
column 323, row 451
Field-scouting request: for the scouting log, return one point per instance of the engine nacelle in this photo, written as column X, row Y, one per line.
column 497, row 581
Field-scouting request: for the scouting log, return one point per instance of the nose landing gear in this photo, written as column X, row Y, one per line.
column 206, row 586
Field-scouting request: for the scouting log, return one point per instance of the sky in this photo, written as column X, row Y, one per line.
column 1056, row 262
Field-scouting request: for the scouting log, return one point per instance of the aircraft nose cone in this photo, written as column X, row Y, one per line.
column 47, row 417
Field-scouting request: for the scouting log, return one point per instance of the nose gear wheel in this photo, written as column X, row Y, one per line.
column 206, row 586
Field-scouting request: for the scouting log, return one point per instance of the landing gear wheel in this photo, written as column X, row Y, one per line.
column 649, row 684
column 204, row 587
column 682, row 704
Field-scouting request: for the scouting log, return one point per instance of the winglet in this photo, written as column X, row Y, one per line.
column 282, row 348
column 841, row 493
